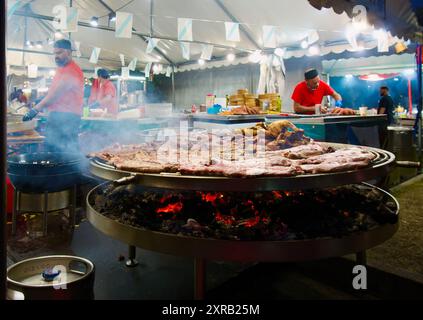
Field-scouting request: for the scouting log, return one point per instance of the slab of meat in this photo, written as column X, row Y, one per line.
column 327, row 167
column 308, row 150
column 353, row 154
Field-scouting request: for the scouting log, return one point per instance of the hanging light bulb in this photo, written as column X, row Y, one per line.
column 39, row 45
column 255, row 57
column 230, row 57
column 94, row 21
column 201, row 62
column 112, row 17
column 58, row 35
column 280, row 52
column 304, row 44
column 314, row 50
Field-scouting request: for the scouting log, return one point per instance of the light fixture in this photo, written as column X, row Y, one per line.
column 58, row 35
column 314, row 50
column 94, row 21
column 409, row 72
column 400, row 46
column 230, row 57
column 255, row 57
column 379, row 34
column 304, row 44
column 360, row 26
column 157, row 68
column 201, row 62
column 52, row 73
column 28, row 43
column 112, row 16
column 280, row 52
column 39, row 45
column 348, row 76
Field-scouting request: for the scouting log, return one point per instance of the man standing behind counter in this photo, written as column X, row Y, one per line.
column 386, row 104
column 64, row 102
column 103, row 93
column 309, row 93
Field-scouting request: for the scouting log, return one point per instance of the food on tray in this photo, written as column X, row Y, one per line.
column 278, row 149
column 343, row 111
column 243, row 110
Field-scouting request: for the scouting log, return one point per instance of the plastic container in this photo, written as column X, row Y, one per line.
column 215, row 109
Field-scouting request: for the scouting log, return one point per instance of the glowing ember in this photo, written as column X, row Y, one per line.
column 252, row 222
column 277, row 194
column 210, row 197
column 228, row 220
column 171, row 208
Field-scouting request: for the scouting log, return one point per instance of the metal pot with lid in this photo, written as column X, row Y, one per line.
column 51, row 278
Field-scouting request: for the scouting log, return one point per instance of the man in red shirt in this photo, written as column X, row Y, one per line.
column 309, row 93
column 64, row 102
column 103, row 93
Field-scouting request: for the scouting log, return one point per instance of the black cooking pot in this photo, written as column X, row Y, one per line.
column 40, row 172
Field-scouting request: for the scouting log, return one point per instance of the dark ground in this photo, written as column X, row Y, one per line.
column 395, row 267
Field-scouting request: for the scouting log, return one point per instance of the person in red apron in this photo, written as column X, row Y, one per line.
column 64, row 102
column 103, row 93
column 309, row 93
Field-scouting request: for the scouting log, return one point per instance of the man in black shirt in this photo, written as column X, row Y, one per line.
column 386, row 105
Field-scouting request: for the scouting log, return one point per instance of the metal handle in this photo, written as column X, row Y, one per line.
column 125, row 180
column 408, row 164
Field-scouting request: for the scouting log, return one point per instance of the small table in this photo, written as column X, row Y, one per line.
column 26, row 138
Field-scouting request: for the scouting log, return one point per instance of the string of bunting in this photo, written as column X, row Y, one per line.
column 66, row 20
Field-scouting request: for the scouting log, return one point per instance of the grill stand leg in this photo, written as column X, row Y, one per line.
column 361, row 258
column 45, row 214
column 199, row 278
column 16, row 201
column 72, row 208
column 132, row 254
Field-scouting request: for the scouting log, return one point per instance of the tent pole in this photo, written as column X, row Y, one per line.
column 173, row 90
column 420, row 107
column 69, row 33
column 410, row 98
column 418, row 124
column 151, row 17
column 3, row 148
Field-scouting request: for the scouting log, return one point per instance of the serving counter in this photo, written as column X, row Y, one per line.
column 359, row 130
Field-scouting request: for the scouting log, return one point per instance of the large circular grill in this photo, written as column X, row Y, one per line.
column 202, row 249
column 380, row 166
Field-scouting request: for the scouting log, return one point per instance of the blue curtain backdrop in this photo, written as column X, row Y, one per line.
column 356, row 92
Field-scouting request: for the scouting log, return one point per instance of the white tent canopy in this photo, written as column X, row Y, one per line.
column 369, row 65
column 294, row 21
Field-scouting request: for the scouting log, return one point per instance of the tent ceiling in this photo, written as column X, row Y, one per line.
column 294, row 20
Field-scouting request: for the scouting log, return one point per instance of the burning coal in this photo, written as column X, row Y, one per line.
column 272, row 215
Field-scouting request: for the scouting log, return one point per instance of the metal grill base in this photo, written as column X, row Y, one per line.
column 44, row 203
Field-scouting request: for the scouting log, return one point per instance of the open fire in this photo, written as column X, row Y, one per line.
column 274, row 215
